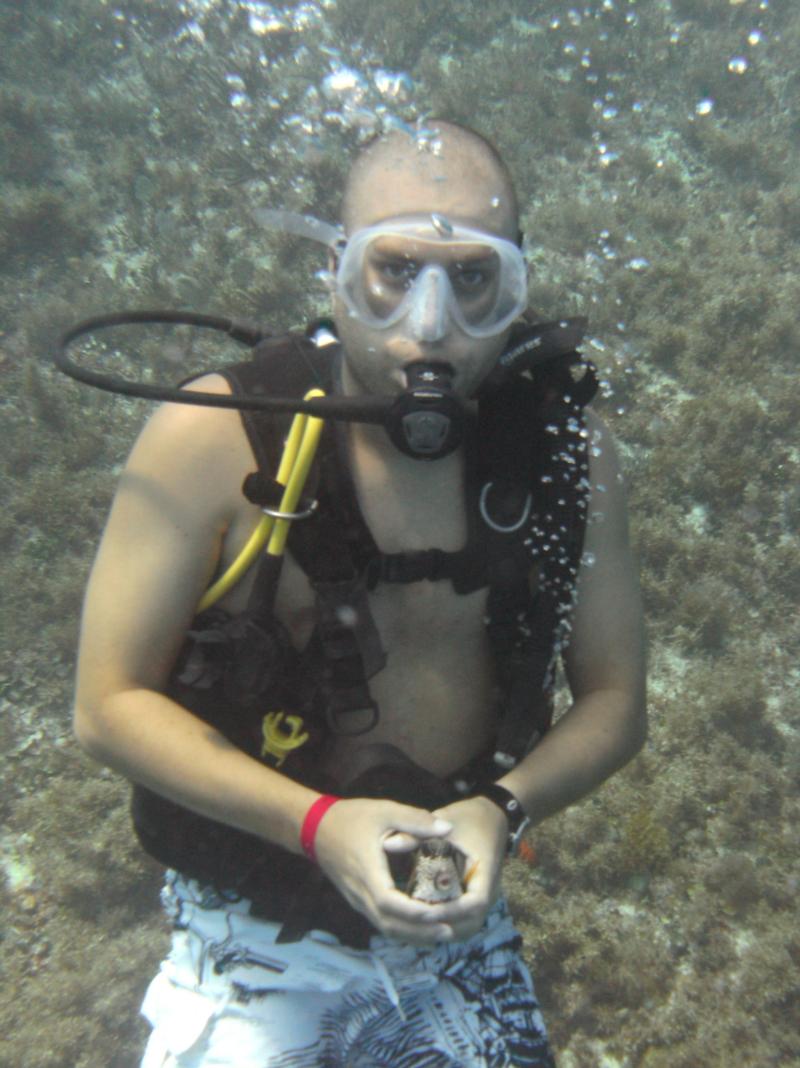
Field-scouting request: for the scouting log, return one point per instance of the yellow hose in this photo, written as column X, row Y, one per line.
column 298, row 455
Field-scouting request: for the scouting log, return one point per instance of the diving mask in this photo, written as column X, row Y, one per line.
column 427, row 272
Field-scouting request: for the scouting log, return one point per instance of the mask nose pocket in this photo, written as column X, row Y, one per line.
column 178, row 1017
column 428, row 303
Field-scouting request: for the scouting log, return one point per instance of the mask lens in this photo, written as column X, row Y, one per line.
column 475, row 282
column 390, row 268
column 383, row 273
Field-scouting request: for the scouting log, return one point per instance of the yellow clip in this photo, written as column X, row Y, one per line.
column 278, row 742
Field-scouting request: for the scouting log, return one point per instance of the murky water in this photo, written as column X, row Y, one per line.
column 654, row 147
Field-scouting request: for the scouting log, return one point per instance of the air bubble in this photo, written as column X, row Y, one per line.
column 305, row 16
column 607, row 157
column 738, row 64
column 346, row 85
column 264, row 20
column 395, row 86
column 347, row 615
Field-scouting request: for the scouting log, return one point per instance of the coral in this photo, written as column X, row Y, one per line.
column 738, row 702
column 28, row 152
column 37, row 223
column 706, row 613
column 645, row 846
column 733, row 881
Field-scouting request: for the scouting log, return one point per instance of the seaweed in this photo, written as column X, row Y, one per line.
column 659, row 196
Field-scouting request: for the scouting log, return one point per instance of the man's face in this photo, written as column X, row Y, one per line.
column 404, row 183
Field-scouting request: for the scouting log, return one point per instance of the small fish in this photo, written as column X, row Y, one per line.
column 438, row 872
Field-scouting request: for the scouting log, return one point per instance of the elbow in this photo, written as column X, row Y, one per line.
column 637, row 725
column 88, row 733
column 83, row 734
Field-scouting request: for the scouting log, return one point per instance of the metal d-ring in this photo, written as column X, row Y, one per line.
column 526, row 511
column 291, row 516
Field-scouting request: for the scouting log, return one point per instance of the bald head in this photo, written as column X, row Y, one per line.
column 463, row 178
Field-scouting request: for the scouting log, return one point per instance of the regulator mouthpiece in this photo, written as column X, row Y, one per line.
column 427, row 420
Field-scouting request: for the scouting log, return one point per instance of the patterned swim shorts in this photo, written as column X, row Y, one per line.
column 229, row 996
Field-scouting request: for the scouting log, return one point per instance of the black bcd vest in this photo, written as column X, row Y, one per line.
column 526, row 499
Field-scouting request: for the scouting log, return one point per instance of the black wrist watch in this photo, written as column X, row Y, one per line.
column 514, row 812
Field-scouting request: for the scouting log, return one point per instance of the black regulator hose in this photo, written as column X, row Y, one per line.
column 425, row 422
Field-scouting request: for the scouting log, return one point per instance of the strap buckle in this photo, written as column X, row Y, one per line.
column 305, row 514
column 502, row 528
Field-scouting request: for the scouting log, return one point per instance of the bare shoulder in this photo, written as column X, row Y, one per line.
column 194, row 446
column 177, row 496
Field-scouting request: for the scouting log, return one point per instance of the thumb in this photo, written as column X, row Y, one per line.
column 418, row 822
column 400, row 842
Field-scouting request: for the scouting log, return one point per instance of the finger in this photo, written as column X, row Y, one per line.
column 395, row 904
column 421, row 937
column 399, row 916
column 464, row 924
column 400, row 842
column 417, row 821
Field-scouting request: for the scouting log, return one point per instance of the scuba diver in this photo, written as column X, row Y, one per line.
column 380, row 691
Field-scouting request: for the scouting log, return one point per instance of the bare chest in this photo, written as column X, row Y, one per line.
column 434, row 692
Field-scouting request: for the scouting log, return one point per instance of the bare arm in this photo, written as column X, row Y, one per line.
column 605, row 662
column 605, row 725
column 177, row 497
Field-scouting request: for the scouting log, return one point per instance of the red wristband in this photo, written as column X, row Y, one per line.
column 312, row 822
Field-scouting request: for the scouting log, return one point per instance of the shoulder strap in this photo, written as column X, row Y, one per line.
column 285, row 366
column 331, row 548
